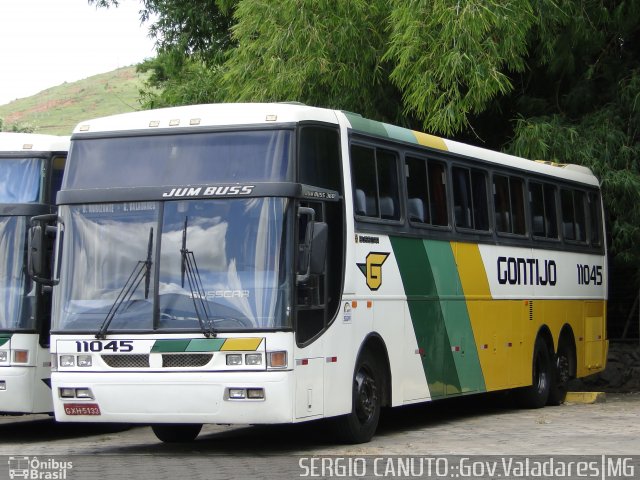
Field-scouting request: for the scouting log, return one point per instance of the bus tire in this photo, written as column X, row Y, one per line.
column 360, row 425
column 537, row 394
column 562, row 372
column 176, row 433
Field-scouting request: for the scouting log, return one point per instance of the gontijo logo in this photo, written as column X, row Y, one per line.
column 372, row 269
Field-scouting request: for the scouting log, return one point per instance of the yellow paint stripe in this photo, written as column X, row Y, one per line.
column 241, row 344
column 430, row 140
column 471, row 270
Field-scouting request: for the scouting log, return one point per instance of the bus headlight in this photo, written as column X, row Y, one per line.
column 234, row 359
column 67, row 361
column 67, row 392
column 253, row 359
column 4, row 356
column 84, row 360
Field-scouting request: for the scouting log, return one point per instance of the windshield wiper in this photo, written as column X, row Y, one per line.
column 141, row 270
column 189, row 267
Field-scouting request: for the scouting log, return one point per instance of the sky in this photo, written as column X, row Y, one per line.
column 44, row 43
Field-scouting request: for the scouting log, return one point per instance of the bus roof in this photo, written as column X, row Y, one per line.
column 230, row 114
column 32, row 142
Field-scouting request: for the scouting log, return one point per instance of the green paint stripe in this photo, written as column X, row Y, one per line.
column 399, row 133
column 365, row 125
column 3, row 341
column 456, row 317
column 6, row 335
column 170, row 345
column 205, row 345
column 426, row 315
column 439, row 315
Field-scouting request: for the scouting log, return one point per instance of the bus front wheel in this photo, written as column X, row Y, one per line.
column 537, row 394
column 360, row 425
column 176, row 433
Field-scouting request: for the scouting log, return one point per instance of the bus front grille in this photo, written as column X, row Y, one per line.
column 126, row 361
column 186, row 360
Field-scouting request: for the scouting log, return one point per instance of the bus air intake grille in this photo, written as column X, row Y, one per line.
column 186, row 360
column 126, row 361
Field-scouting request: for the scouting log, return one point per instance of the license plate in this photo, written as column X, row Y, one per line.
column 81, row 409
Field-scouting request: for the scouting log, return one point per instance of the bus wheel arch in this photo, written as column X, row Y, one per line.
column 370, row 391
column 537, row 394
column 564, row 366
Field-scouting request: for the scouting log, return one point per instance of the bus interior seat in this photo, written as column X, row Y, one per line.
column 416, row 210
column 538, row 225
column 567, row 230
column 387, row 208
column 361, row 202
column 463, row 216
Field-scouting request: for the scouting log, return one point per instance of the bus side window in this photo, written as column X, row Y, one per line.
column 427, row 201
column 508, row 196
column 375, row 178
column 470, row 208
column 595, row 220
column 573, row 206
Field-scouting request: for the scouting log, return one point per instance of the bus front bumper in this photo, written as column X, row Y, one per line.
column 176, row 397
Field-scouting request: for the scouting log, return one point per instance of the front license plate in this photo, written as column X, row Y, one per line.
column 81, row 409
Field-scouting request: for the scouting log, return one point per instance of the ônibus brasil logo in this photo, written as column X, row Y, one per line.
column 38, row 469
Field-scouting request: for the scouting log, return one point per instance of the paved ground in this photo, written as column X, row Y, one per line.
column 482, row 425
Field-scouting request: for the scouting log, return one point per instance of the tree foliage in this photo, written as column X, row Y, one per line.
column 16, row 127
column 550, row 79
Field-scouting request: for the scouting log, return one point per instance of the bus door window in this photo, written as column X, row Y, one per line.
column 319, row 165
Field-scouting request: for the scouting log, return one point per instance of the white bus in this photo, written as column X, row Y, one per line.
column 273, row 263
column 31, row 169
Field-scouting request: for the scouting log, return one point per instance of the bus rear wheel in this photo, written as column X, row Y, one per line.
column 360, row 425
column 537, row 394
column 176, row 433
column 563, row 370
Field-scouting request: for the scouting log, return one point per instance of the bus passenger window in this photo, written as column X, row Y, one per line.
column 508, row 201
column 375, row 178
column 595, row 218
column 427, row 200
column 574, row 220
column 568, row 219
column 581, row 221
column 470, row 206
column 438, row 193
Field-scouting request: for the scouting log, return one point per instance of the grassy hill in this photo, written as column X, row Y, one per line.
column 58, row 110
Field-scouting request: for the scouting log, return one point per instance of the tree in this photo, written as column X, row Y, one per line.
column 16, row 127
column 552, row 79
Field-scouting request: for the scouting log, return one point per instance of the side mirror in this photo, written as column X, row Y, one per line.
column 312, row 244
column 319, row 247
column 40, row 245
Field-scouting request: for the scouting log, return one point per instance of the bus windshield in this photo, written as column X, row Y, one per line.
column 208, row 265
column 160, row 160
column 20, row 180
column 16, row 290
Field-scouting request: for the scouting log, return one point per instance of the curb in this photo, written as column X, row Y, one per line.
column 586, row 397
